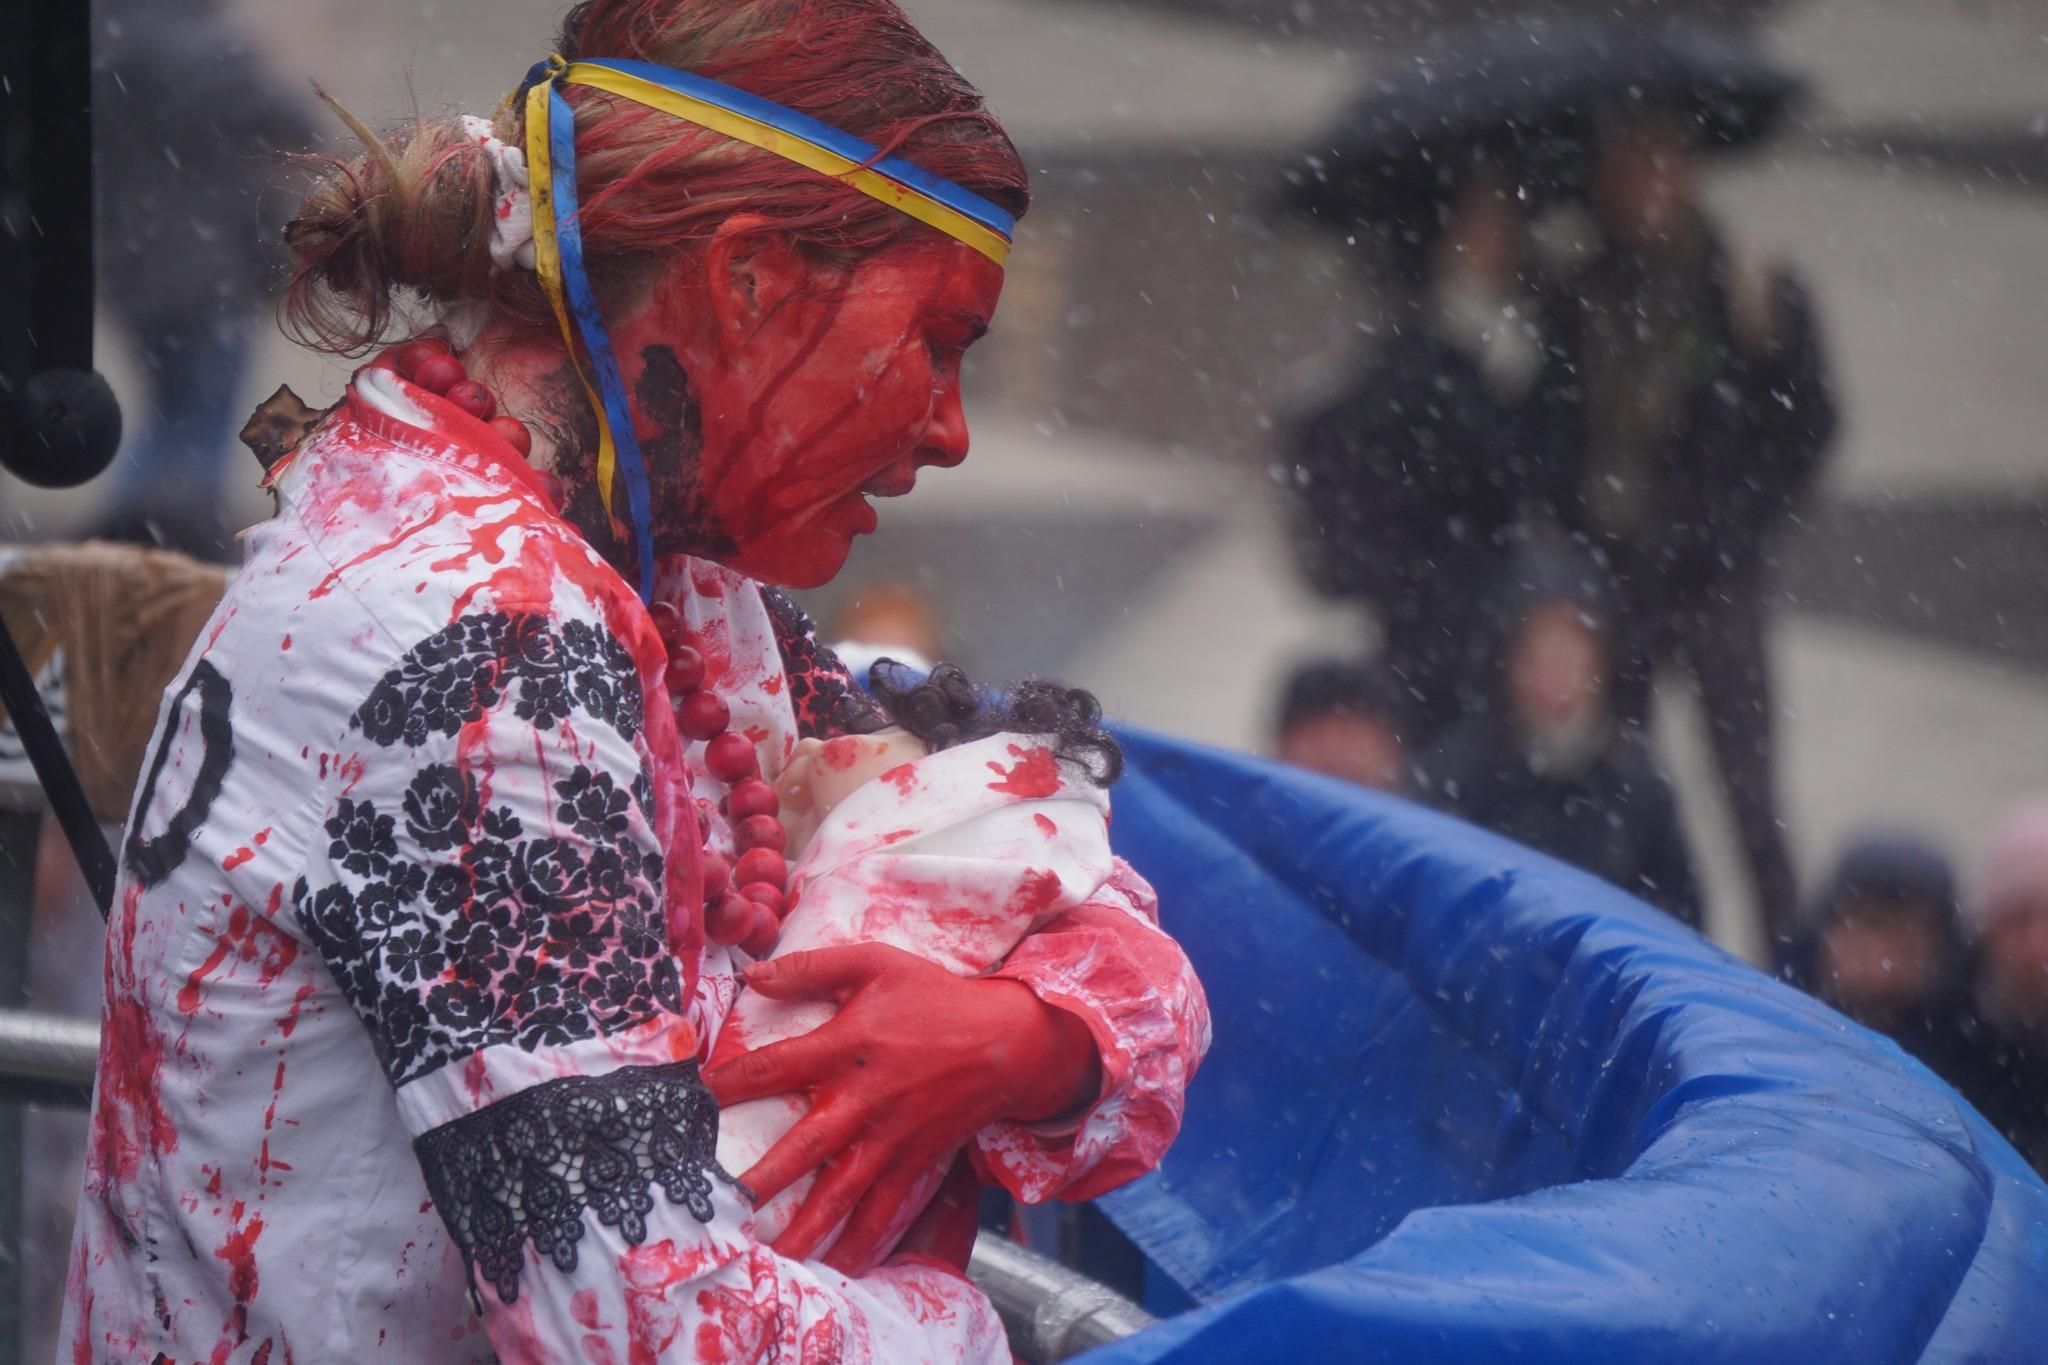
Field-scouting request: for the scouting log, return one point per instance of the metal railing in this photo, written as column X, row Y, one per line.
column 1052, row 1313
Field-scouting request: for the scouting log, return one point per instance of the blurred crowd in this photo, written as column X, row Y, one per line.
column 1562, row 476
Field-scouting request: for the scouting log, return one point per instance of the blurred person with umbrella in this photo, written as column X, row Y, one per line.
column 1680, row 404
column 1688, row 408
column 1405, row 484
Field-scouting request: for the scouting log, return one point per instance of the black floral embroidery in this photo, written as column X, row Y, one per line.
column 529, row 1168
column 362, row 839
column 451, row 923
column 440, row 806
column 828, row 702
column 457, row 674
column 593, row 804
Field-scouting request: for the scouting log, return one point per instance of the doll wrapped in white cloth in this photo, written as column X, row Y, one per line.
column 951, row 835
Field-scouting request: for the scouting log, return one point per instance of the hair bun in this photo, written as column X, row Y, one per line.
column 409, row 218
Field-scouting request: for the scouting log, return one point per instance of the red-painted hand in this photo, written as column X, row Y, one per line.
column 915, row 1062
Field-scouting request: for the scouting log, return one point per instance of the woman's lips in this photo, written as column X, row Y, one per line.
column 857, row 515
column 866, row 519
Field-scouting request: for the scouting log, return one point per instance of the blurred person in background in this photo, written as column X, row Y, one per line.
column 1884, row 944
column 2007, row 1075
column 885, row 619
column 1347, row 719
column 1404, row 487
column 1687, row 410
column 1544, row 757
column 188, row 124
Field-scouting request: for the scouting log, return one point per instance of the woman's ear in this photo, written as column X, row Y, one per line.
column 751, row 268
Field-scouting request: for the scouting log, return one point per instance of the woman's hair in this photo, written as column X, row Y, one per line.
column 412, row 217
column 944, row 708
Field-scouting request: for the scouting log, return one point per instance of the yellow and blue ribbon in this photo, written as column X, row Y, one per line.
column 558, row 239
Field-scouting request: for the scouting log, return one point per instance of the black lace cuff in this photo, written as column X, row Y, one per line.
column 527, row 1168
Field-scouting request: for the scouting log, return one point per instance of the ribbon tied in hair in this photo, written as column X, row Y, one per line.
column 550, row 166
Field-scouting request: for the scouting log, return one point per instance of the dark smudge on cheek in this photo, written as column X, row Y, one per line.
column 673, row 449
column 670, row 443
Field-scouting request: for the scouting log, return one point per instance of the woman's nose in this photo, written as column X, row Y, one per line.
column 945, row 441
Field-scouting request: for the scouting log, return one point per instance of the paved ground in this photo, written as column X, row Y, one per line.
column 1116, row 526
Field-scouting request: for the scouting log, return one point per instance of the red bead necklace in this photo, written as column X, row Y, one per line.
column 743, row 901
column 431, row 363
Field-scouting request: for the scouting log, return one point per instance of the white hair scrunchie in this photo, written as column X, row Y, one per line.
column 511, row 199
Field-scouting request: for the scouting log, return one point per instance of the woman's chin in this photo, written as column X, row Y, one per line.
column 806, row 552
column 809, row 560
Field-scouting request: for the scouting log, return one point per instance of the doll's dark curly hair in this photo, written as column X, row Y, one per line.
column 944, row 708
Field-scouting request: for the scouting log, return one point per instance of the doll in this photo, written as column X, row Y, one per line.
column 951, row 834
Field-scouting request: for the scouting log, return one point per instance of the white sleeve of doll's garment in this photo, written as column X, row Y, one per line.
column 1109, row 963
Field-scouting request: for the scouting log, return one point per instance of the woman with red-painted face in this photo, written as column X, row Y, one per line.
column 461, row 826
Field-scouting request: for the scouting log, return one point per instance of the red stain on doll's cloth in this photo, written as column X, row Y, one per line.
column 903, row 777
column 1037, row 893
column 1045, row 826
column 1036, row 774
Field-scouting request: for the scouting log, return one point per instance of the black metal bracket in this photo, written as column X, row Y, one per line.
column 66, row 794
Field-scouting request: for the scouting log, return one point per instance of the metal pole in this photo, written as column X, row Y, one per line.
column 60, row 782
column 1052, row 1313
column 20, row 835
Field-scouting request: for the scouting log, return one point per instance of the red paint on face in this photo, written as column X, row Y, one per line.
column 1036, row 774
column 849, row 385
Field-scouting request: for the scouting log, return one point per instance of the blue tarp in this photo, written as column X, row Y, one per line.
column 1466, row 1104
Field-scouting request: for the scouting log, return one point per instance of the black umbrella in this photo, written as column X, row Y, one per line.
column 1527, row 100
